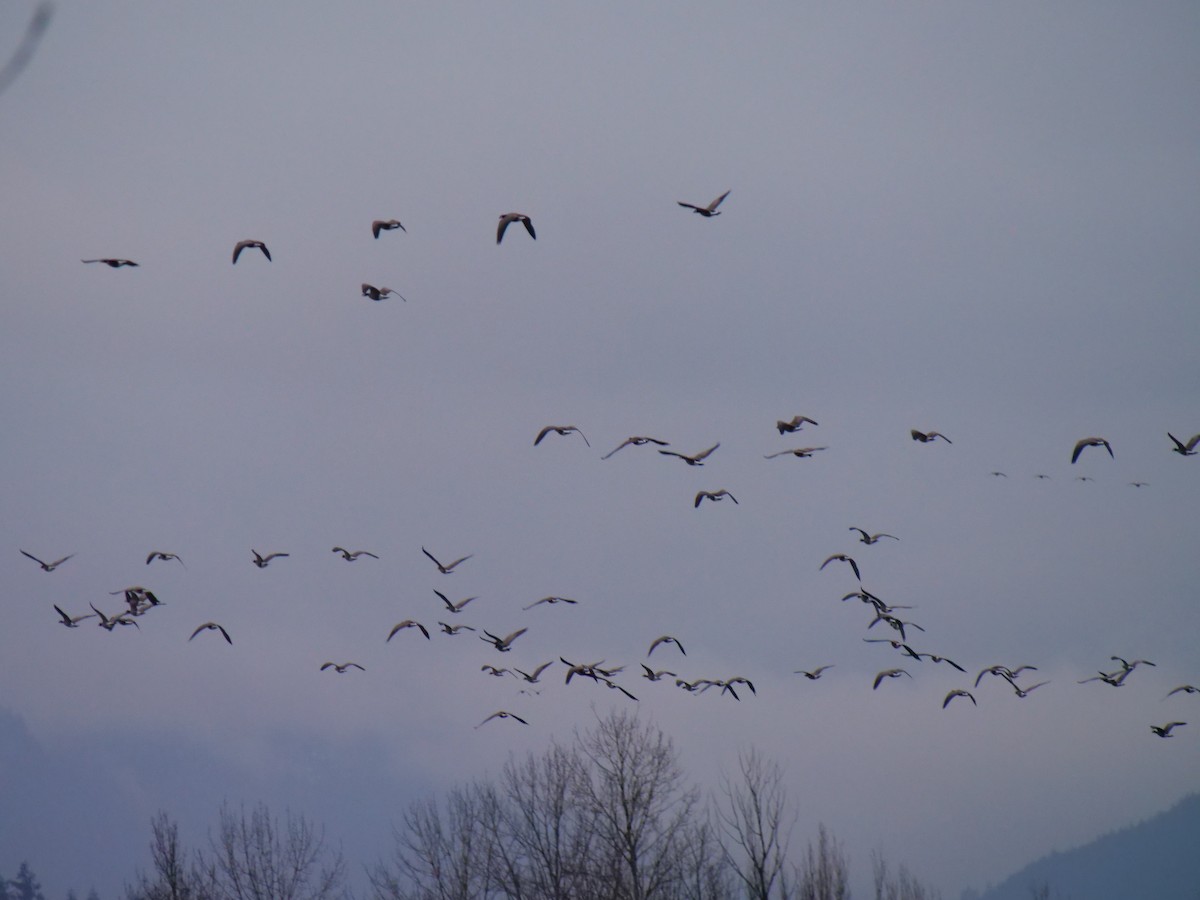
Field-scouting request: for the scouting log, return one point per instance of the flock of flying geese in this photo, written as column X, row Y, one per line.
column 140, row 600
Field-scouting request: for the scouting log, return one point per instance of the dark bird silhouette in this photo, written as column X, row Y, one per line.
column 1090, row 442
column 508, row 218
column 108, row 623
column 493, row 670
column 957, row 692
column 888, row 673
column 666, row 639
column 242, row 245
column 454, row 607
column 866, row 538
column 560, row 429
column 73, row 621
column 48, row 567
column 446, row 569
column 503, row 644
column 353, row 555
column 1188, row 449
column 550, row 600
column 658, row 675
column 1003, row 672
column 814, row 674
column 926, row 436
column 386, row 225
column 697, row 460
column 714, row 496
column 341, row 668
column 112, row 263
column 455, row 629
column 501, row 714
column 1025, row 692
column 1185, row 689
column 380, row 293
column 933, row 657
column 794, row 424
column 636, row 441
column 842, row 557
column 798, row 452
column 533, row 678
column 707, row 211
column 263, row 561
column 159, row 554
column 212, row 626
column 1165, row 730
column 407, row 623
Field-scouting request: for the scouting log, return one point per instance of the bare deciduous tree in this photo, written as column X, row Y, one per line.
column 756, row 821
column 902, row 886
column 173, row 877
column 826, row 870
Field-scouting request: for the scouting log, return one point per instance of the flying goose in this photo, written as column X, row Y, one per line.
column 1185, row 688
column 1025, row 692
column 108, row 623
column 73, row 621
column 501, row 714
column 795, row 424
column 492, row 670
column 814, row 674
column 888, row 673
column 842, row 557
column 1165, row 730
column 263, row 561
column 933, row 657
column 341, row 668
column 242, row 245
column 958, row 692
column 455, row 629
column 407, row 623
column 503, row 644
column 380, row 293
column 446, row 569
column 48, row 567
column 212, row 626
column 353, row 555
column 714, row 496
column 559, row 429
column 454, row 607
column 614, row 686
column 1188, row 449
column 798, row 452
column 926, row 436
column 697, row 460
column 508, row 218
column 653, row 675
column 533, row 678
column 636, row 441
column 872, row 538
column 551, row 600
column 1090, row 442
column 112, row 263
column 1003, row 672
column 386, row 225
column 707, row 211
column 666, row 639
column 163, row 555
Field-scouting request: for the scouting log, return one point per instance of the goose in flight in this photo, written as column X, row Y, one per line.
column 714, row 496
column 1188, row 449
column 341, row 668
column 798, row 452
column 48, row 567
column 163, row 555
column 1130, row 665
column 888, row 673
column 1090, row 442
column 380, row 293
column 263, row 561
column 842, row 557
column 652, row 675
column 508, row 218
column 533, row 678
column 501, row 714
column 707, row 211
column 559, row 429
column 814, row 674
column 636, row 441
column 108, row 623
column 112, row 263
column 407, row 623
column 386, row 225
column 448, row 568
column 958, row 692
column 73, row 621
column 454, row 607
column 455, row 629
column 1003, row 672
column 503, row 644
column 1165, row 730
column 666, row 639
column 869, row 539
column 794, row 424
column 492, row 670
column 353, row 555
column 1183, row 688
column 550, row 600
column 1116, row 679
column 1025, row 692
column 242, row 245
column 697, row 460
column 212, row 626
column 926, row 436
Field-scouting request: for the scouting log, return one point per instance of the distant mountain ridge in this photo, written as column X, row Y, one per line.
column 1155, row 859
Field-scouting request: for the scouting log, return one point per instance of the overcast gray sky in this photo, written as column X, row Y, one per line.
column 974, row 218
